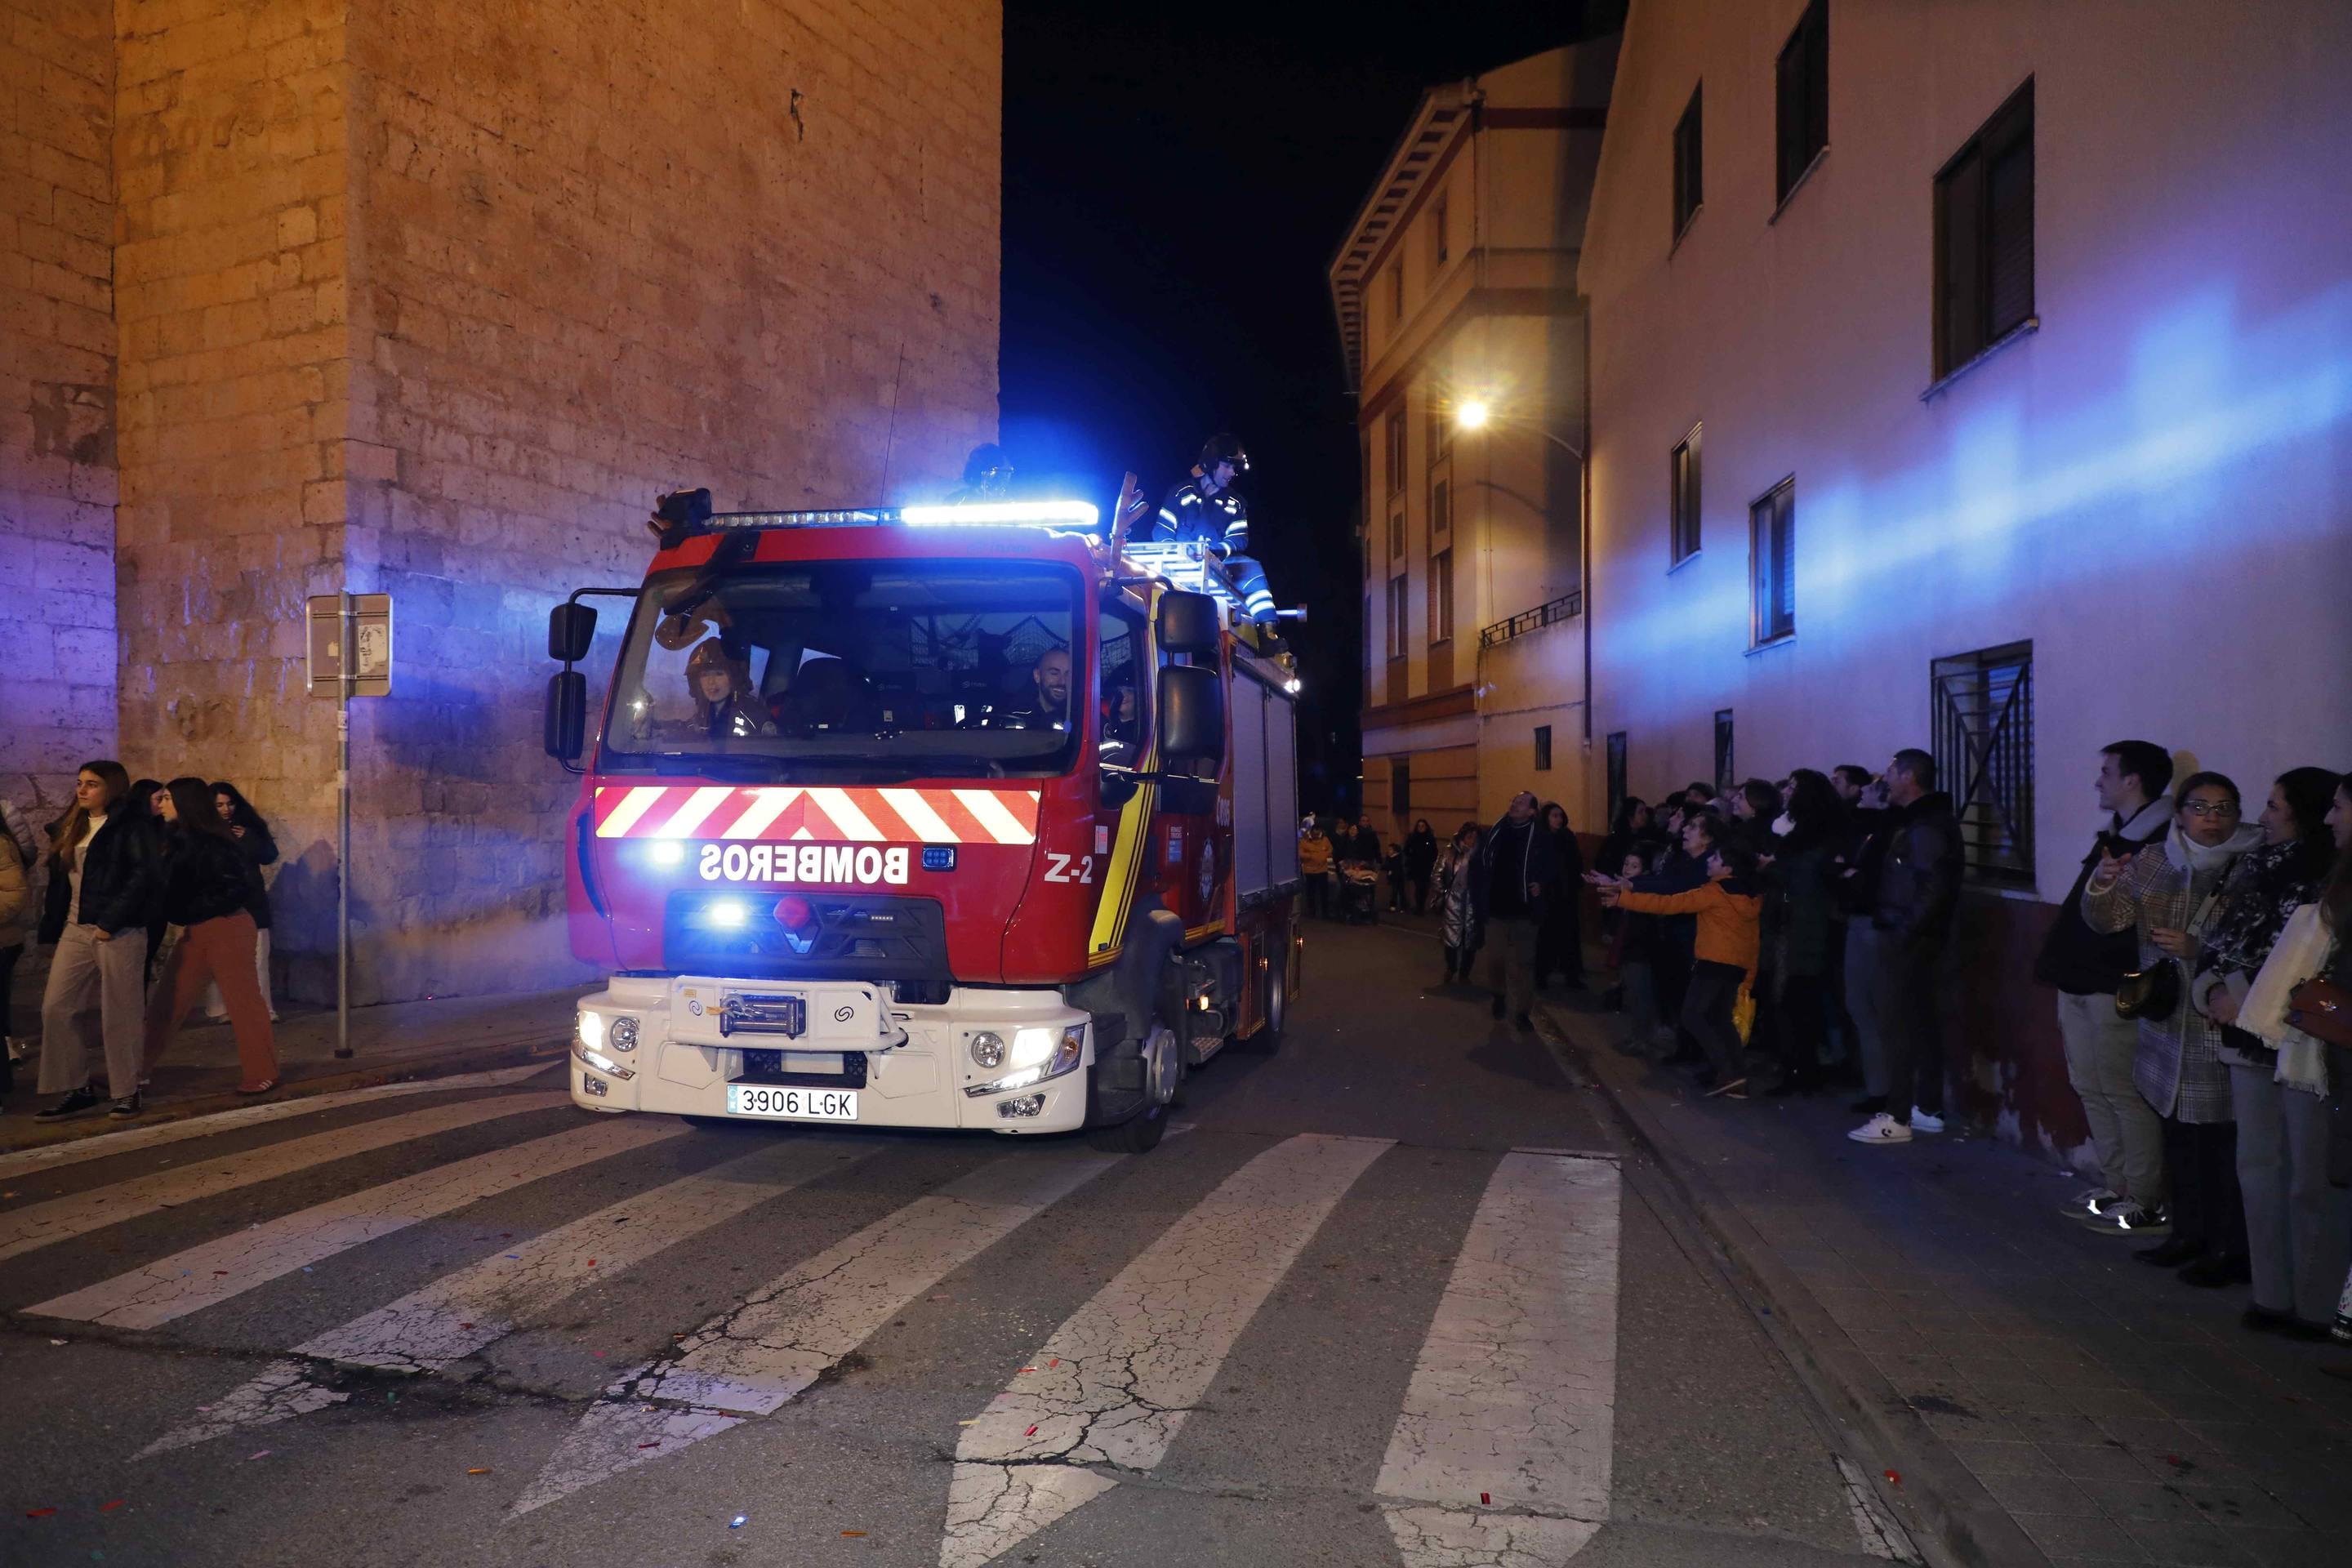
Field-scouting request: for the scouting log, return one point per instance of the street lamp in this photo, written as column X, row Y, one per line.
column 1473, row 415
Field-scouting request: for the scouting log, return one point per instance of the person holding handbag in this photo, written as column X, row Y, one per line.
column 2301, row 1004
column 2169, row 892
column 2297, row 1225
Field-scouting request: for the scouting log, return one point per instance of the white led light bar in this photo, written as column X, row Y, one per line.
column 1057, row 515
column 1082, row 514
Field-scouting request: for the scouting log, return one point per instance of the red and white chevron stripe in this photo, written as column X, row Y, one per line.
column 788, row 813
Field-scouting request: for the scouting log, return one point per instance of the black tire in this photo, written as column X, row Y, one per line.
column 1268, row 1038
column 1141, row 1132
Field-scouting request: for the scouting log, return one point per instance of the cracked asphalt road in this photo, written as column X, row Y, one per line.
column 1260, row 1343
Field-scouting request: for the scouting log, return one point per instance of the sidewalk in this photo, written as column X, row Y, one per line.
column 2046, row 1397
column 391, row 1043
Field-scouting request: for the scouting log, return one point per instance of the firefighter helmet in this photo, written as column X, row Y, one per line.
column 1224, row 447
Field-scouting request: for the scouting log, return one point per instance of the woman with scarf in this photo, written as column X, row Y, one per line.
column 1455, row 873
column 2170, row 891
column 2298, row 1226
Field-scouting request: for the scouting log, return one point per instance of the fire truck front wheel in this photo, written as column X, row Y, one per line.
column 1163, row 1076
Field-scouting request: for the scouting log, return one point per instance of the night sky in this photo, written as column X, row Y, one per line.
column 1175, row 185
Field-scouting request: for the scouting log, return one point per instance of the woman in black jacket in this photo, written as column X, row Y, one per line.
column 251, row 832
column 1420, row 861
column 103, row 885
column 1559, row 938
column 209, row 886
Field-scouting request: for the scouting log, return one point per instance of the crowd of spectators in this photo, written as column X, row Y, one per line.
column 1794, row 937
column 151, row 898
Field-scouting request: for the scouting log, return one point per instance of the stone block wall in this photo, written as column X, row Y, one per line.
column 57, row 396
column 232, row 163
column 601, row 251
column 432, row 296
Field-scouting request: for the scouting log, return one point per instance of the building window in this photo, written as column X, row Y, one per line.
column 1441, row 510
column 1688, row 190
column 1441, row 596
column 1396, row 536
column 1543, row 748
column 1724, row 776
column 1683, row 491
column 1772, row 563
column 1616, row 785
column 1397, row 589
column 1396, row 451
column 1803, row 98
column 1437, row 230
column 1396, row 293
column 1983, row 704
column 1984, row 236
column 1401, row 787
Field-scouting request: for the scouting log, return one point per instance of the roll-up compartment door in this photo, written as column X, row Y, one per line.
column 1249, row 704
column 1282, row 788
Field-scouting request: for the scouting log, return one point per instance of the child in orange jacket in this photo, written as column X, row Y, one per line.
column 1730, row 910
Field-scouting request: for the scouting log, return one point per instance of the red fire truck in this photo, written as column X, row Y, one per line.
column 968, row 816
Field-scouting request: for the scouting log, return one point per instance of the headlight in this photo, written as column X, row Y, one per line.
column 623, row 1032
column 1032, row 1048
column 988, row 1049
column 1037, row 1055
column 589, row 1030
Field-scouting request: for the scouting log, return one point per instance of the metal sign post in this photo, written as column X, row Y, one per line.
column 351, row 655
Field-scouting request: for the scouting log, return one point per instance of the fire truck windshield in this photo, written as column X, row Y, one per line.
column 850, row 669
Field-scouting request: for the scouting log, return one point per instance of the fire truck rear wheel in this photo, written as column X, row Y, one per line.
column 1268, row 1038
column 1163, row 1078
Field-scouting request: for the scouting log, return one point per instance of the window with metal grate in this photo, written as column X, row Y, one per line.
column 1983, row 711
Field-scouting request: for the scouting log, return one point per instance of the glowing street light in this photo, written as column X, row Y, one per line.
column 1473, row 415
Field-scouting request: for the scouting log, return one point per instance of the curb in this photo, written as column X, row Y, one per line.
column 1963, row 1525
column 18, row 1133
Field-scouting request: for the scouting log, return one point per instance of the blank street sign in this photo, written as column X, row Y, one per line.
column 371, row 644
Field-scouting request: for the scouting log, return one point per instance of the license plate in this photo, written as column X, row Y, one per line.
column 791, row 1104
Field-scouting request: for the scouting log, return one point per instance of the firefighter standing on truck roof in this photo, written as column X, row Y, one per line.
column 1204, row 509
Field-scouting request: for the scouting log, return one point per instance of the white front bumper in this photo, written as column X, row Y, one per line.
column 919, row 1065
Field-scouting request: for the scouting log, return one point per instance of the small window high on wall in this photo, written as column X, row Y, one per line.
column 1688, row 186
column 1772, row 563
column 1984, row 236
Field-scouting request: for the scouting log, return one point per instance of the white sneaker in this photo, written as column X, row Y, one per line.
column 1921, row 1122
column 216, row 1017
column 2090, row 1205
column 1880, row 1129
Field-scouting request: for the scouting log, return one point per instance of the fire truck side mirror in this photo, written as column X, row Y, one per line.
column 1188, row 623
column 1191, row 714
column 571, row 627
column 566, row 725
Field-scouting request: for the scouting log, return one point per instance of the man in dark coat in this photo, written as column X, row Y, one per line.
column 1918, row 894
column 1516, row 866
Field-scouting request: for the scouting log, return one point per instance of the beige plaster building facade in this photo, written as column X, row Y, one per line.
column 1454, row 289
column 430, row 299
column 1975, row 377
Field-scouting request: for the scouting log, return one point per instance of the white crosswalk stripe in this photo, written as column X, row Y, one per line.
column 1502, row 1453
column 1113, row 1384
column 783, row 1337
column 476, row 1307
column 130, row 1140
column 208, row 1275
column 1499, row 1455
column 45, row 1224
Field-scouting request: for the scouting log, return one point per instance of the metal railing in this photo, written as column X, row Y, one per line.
column 1567, row 608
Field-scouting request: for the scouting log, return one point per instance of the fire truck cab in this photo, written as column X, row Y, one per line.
column 925, row 816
